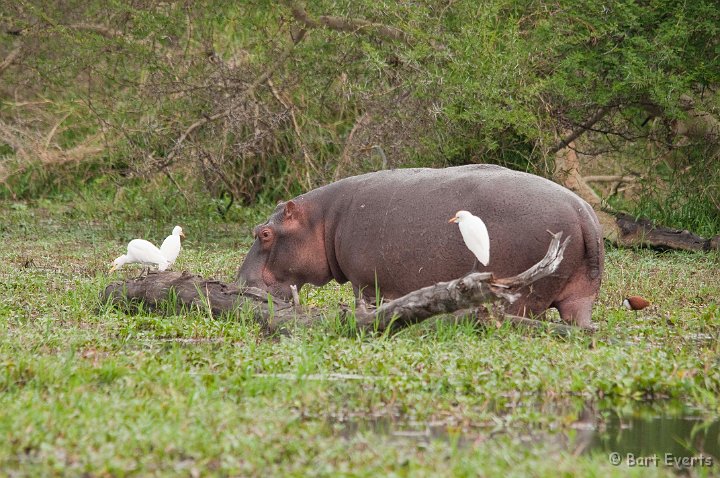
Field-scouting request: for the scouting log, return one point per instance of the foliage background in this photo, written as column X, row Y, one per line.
column 256, row 101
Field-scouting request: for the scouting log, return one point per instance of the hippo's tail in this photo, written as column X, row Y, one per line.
column 593, row 239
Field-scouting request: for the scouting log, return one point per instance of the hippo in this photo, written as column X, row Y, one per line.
column 387, row 232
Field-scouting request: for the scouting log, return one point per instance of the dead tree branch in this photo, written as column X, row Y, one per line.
column 10, row 58
column 620, row 228
column 576, row 133
column 351, row 25
column 267, row 74
column 610, row 179
column 182, row 291
column 635, row 232
column 101, row 30
column 464, row 293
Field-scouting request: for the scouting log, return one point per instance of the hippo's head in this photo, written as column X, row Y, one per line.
column 289, row 249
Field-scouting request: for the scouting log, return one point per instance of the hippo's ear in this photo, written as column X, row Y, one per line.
column 291, row 210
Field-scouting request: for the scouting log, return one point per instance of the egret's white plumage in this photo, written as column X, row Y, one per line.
column 171, row 246
column 475, row 234
column 142, row 252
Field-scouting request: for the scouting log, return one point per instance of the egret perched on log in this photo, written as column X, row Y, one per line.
column 475, row 234
column 171, row 246
column 140, row 251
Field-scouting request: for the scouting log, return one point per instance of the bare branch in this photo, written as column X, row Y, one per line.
column 610, row 179
column 290, row 106
column 641, row 232
column 351, row 25
column 49, row 136
column 248, row 92
column 101, row 30
column 10, row 59
column 361, row 122
column 544, row 268
column 599, row 114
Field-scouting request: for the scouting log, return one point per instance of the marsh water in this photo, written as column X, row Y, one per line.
column 640, row 434
column 648, row 432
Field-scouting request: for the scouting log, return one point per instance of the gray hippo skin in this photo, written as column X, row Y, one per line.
column 392, row 226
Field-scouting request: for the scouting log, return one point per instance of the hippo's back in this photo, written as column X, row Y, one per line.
column 393, row 225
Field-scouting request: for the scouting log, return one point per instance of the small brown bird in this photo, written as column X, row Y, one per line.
column 635, row 302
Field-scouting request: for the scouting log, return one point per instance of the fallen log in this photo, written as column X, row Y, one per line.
column 642, row 232
column 176, row 292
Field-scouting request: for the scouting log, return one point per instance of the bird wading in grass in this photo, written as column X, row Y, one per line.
column 171, row 246
column 475, row 234
column 635, row 302
column 140, row 251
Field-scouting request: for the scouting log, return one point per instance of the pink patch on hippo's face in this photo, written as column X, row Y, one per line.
column 267, row 277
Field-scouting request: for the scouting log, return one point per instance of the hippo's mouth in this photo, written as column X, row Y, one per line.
column 279, row 291
column 275, row 288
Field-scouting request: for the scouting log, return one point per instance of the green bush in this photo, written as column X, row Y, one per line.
column 254, row 100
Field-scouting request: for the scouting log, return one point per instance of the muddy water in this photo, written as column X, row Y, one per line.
column 644, row 434
column 670, row 435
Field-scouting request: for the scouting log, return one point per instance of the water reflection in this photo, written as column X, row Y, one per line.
column 656, row 430
column 639, row 430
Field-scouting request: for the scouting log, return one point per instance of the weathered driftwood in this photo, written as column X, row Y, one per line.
column 464, row 293
column 176, row 291
column 643, row 232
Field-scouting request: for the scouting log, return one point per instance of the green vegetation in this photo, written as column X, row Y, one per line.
column 121, row 119
column 260, row 101
column 86, row 388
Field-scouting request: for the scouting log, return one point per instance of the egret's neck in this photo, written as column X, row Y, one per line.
column 121, row 261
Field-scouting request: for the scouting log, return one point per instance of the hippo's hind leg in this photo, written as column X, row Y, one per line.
column 577, row 311
column 575, row 302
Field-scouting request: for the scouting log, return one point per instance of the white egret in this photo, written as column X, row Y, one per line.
column 171, row 246
column 142, row 252
column 475, row 234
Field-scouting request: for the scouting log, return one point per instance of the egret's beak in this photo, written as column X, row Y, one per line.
column 453, row 219
column 182, row 234
column 113, row 268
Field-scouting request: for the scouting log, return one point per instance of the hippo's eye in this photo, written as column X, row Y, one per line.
column 265, row 233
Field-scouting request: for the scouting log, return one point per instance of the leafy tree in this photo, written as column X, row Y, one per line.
column 259, row 98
